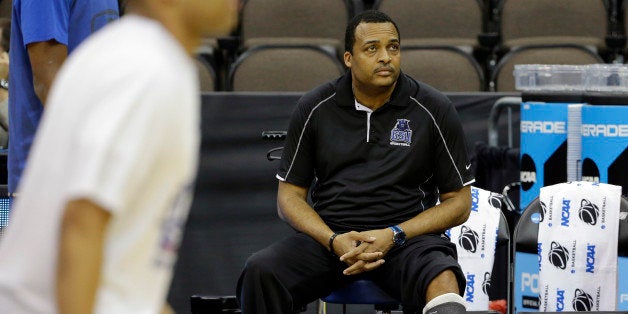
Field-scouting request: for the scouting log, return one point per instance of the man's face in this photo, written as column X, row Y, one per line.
column 211, row 17
column 375, row 58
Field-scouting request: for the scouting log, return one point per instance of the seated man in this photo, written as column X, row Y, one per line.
column 383, row 149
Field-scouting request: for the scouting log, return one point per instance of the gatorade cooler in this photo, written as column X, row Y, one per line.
column 605, row 159
column 543, row 147
column 605, row 145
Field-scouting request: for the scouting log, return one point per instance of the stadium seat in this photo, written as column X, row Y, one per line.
column 361, row 291
column 283, row 68
column 294, row 22
column 449, row 69
column 502, row 79
column 436, row 22
column 206, row 75
column 534, row 22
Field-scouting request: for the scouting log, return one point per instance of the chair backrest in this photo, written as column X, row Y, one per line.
column 448, row 69
column 526, row 263
column 529, row 22
column 502, row 79
column 206, row 75
column 501, row 274
column 283, row 68
column 435, row 22
column 293, row 22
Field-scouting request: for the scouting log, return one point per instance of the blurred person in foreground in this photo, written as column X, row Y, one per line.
column 106, row 193
column 383, row 149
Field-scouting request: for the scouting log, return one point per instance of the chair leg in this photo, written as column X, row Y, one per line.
column 322, row 307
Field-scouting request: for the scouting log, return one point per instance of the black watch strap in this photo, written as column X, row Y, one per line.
column 331, row 243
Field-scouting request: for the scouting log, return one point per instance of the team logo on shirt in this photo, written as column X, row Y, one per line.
column 401, row 134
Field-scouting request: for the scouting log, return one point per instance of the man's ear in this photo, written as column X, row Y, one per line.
column 347, row 59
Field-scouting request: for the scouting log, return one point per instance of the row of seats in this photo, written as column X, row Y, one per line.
column 454, row 45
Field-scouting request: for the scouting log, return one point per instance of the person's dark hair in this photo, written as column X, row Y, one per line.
column 369, row 16
column 5, row 25
column 121, row 7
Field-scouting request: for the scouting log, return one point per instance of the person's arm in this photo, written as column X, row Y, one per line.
column 453, row 210
column 46, row 60
column 80, row 256
column 293, row 208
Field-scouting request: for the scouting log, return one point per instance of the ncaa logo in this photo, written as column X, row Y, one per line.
column 486, row 284
column 543, row 211
column 495, row 200
column 582, row 301
column 475, row 199
column 558, row 255
column 470, row 289
column 588, row 212
column 528, row 172
column 468, row 239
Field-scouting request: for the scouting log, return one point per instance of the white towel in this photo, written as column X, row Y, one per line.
column 578, row 246
column 475, row 240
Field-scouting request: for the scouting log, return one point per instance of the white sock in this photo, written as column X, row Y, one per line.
column 442, row 299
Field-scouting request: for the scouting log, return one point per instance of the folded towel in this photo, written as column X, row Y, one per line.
column 475, row 240
column 578, row 246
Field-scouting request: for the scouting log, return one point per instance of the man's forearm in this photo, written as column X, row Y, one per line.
column 46, row 59
column 453, row 210
column 80, row 256
column 293, row 209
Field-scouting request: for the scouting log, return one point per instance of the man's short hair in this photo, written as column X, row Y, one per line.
column 369, row 16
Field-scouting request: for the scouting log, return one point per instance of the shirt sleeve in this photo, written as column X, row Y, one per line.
column 297, row 160
column 453, row 169
column 45, row 20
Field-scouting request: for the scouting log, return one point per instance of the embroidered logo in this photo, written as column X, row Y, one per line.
column 401, row 134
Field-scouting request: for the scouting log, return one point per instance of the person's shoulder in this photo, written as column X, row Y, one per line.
column 122, row 56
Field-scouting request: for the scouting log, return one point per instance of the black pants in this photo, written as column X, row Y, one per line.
column 298, row 270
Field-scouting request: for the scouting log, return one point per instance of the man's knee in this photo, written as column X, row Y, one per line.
column 260, row 263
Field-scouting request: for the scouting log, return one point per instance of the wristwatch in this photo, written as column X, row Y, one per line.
column 399, row 237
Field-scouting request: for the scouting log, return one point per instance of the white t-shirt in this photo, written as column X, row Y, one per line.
column 121, row 128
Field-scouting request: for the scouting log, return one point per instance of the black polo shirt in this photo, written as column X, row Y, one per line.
column 379, row 169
